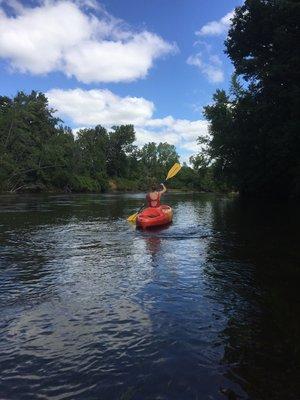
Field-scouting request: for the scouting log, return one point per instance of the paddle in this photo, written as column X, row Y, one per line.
column 172, row 172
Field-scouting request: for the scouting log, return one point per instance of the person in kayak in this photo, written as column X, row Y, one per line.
column 153, row 197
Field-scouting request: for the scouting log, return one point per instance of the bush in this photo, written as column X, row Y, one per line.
column 81, row 183
column 126, row 185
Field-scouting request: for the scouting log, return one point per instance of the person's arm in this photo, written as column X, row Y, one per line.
column 164, row 189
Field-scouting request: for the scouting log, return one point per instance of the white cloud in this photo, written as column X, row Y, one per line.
column 180, row 132
column 79, row 39
column 185, row 128
column 214, row 28
column 91, row 107
column 211, row 67
column 114, row 61
column 206, row 61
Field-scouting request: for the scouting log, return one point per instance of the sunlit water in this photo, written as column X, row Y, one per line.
column 91, row 308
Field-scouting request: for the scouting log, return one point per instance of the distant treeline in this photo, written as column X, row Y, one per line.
column 255, row 128
column 38, row 153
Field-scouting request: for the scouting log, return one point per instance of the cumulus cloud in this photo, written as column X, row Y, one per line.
column 214, row 28
column 79, row 39
column 182, row 133
column 92, row 107
column 87, row 108
column 211, row 66
column 208, row 63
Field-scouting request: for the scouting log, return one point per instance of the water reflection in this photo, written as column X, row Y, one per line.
column 245, row 271
column 92, row 308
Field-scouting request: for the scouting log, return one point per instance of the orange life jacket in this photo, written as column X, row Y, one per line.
column 153, row 202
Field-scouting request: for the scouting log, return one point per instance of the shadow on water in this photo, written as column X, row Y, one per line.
column 253, row 266
column 90, row 308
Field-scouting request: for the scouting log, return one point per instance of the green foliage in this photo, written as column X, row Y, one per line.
column 125, row 185
column 91, row 148
column 81, row 183
column 119, row 146
column 156, row 160
column 255, row 140
column 40, row 154
column 28, row 133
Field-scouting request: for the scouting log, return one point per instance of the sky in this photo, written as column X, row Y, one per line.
column 151, row 63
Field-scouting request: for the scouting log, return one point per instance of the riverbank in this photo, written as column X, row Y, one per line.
column 117, row 185
column 119, row 190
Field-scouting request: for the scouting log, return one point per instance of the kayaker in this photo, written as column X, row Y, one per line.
column 154, row 195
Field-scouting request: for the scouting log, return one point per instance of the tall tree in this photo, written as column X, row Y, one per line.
column 120, row 145
column 258, row 145
column 27, row 125
column 92, row 149
column 157, row 159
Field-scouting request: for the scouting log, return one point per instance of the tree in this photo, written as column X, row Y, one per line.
column 92, row 147
column 27, row 125
column 120, row 145
column 157, row 160
column 38, row 153
column 221, row 145
column 255, row 131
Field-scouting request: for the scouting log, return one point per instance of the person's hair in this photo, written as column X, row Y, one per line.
column 155, row 188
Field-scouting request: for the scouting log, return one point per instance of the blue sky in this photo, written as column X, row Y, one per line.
column 152, row 63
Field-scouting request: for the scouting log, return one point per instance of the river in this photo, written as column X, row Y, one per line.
column 91, row 308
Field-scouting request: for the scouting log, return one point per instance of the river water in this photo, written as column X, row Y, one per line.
column 91, row 308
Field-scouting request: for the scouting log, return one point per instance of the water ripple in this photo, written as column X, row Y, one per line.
column 91, row 308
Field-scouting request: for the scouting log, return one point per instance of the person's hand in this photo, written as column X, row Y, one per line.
column 164, row 187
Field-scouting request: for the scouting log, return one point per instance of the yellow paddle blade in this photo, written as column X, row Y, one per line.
column 132, row 218
column 173, row 171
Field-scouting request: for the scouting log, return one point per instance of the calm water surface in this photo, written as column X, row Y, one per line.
column 91, row 308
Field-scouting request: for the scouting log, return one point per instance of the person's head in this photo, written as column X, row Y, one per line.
column 155, row 188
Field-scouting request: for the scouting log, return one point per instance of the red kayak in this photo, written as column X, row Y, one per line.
column 154, row 216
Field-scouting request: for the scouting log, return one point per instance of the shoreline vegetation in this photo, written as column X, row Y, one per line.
column 117, row 190
column 252, row 147
column 39, row 154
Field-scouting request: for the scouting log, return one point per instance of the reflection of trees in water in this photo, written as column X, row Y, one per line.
column 33, row 210
column 250, row 271
column 41, row 236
